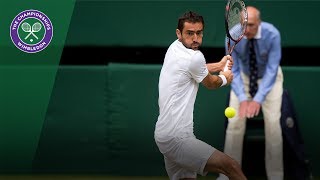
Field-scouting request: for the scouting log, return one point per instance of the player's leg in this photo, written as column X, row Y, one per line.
column 176, row 172
column 198, row 156
column 273, row 134
column 222, row 163
column 190, row 156
column 185, row 156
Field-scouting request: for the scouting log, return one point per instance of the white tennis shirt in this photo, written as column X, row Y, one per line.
column 182, row 71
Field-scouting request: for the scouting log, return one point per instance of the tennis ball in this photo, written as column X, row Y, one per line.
column 230, row 112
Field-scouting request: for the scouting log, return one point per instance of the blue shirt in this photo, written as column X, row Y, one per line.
column 268, row 54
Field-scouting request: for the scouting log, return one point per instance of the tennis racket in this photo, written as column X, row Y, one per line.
column 36, row 27
column 236, row 18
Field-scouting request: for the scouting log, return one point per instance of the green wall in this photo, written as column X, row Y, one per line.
column 100, row 119
column 26, row 82
column 153, row 23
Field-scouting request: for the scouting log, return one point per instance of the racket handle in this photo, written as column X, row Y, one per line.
column 226, row 66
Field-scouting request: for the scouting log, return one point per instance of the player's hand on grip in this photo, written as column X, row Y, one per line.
column 226, row 63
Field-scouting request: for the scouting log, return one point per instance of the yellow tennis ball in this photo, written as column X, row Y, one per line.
column 230, row 112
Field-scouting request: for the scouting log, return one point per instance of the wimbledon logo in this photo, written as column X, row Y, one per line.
column 31, row 31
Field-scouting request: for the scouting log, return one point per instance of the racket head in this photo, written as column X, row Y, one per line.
column 236, row 18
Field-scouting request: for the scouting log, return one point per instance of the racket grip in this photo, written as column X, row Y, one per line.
column 226, row 66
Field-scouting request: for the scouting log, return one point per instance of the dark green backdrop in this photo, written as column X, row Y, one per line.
column 153, row 22
column 26, row 82
column 100, row 119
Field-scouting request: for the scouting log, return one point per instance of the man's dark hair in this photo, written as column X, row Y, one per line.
column 190, row 17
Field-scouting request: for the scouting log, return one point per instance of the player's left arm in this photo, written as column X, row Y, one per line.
column 219, row 66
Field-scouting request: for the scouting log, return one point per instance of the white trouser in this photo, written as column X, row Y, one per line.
column 271, row 109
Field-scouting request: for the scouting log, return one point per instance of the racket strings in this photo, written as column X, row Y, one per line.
column 236, row 19
column 26, row 27
column 36, row 27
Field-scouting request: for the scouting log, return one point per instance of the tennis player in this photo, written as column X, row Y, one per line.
column 184, row 68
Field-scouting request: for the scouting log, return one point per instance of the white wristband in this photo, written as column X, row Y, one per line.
column 224, row 80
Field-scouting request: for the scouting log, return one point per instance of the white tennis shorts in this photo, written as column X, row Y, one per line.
column 184, row 157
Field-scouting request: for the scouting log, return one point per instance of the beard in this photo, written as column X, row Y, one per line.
column 194, row 45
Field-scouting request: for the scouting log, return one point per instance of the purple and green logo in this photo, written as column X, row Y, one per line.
column 31, row 31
